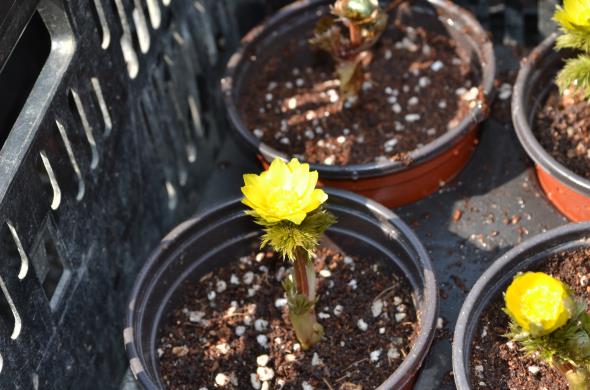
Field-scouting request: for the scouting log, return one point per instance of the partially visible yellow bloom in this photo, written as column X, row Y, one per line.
column 574, row 15
column 539, row 303
column 283, row 192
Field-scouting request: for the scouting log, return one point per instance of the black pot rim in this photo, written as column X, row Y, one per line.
column 427, row 318
column 523, row 127
column 356, row 171
column 484, row 286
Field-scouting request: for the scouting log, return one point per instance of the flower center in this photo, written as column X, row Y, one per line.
column 541, row 303
column 284, row 200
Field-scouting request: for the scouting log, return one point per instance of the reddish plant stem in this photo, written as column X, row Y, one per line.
column 301, row 282
column 355, row 34
column 394, row 4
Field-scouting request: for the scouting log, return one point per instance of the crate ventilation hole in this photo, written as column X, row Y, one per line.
column 87, row 128
column 143, row 34
column 106, row 32
column 24, row 259
column 17, row 320
column 72, row 158
column 154, row 13
column 126, row 42
column 104, row 110
column 52, row 180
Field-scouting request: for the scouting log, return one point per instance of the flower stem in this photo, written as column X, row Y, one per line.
column 355, row 34
column 302, row 314
column 307, row 329
column 578, row 378
column 299, row 268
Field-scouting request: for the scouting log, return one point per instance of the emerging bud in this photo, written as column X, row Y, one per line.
column 355, row 10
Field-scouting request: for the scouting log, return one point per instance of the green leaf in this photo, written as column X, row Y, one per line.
column 576, row 74
column 327, row 36
column 351, row 77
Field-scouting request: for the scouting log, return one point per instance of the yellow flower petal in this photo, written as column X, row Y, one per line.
column 251, row 179
column 286, row 191
column 575, row 14
column 539, row 303
column 253, row 195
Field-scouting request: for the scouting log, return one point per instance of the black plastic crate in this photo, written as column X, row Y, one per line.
column 114, row 141
column 109, row 150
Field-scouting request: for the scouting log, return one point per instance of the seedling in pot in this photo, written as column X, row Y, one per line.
column 285, row 202
column 365, row 21
column 549, row 322
column 574, row 21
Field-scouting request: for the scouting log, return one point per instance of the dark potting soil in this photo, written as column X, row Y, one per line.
column 563, row 129
column 233, row 324
column 417, row 86
column 496, row 362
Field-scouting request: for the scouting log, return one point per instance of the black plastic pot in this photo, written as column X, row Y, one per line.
column 219, row 236
column 390, row 183
column 497, row 278
column 569, row 192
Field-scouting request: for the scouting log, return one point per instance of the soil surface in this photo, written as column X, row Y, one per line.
column 232, row 330
column 496, row 362
column 563, row 129
column 417, row 86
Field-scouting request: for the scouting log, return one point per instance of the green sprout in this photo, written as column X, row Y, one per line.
column 574, row 21
column 365, row 21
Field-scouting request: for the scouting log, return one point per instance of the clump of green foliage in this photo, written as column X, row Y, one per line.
column 574, row 21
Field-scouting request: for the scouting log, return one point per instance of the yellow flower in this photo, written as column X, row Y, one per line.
column 574, row 15
column 538, row 303
column 283, row 192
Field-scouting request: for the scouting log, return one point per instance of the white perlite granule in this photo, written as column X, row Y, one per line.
column 362, row 325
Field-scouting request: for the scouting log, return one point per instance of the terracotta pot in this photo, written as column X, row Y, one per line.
column 526, row 256
column 569, row 192
column 390, row 183
column 223, row 233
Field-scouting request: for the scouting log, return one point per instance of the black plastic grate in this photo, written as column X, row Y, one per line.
column 112, row 148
